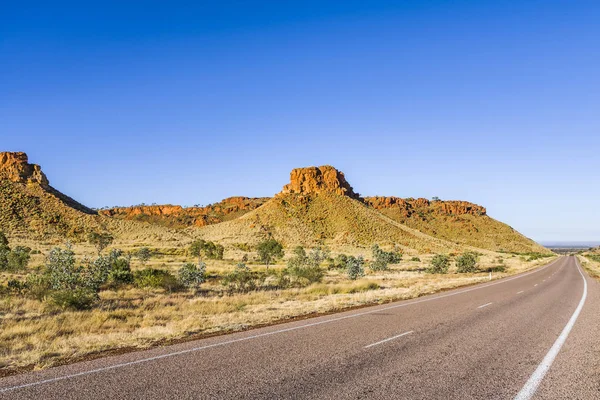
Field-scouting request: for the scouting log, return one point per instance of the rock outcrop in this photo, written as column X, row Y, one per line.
column 409, row 206
column 15, row 167
column 179, row 217
column 314, row 180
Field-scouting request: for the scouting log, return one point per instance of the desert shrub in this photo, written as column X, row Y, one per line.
column 81, row 298
column 100, row 240
column 466, row 263
column 304, row 269
column 4, row 252
column 16, row 286
column 355, row 267
column 497, row 268
column 208, row 249
column 18, row 258
column 156, row 278
column 417, row 259
column 381, row 258
column 339, row 262
column 15, row 259
column 192, row 275
column 66, row 283
column 119, row 269
column 241, row 280
column 143, row 255
column 439, row 264
column 593, row 257
column 269, row 250
column 535, row 256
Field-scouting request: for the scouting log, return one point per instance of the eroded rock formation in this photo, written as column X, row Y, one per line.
column 314, row 180
column 408, row 206
column 15, row 167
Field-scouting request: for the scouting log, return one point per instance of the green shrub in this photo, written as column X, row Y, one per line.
column 417, row 259
column 269, row 250
column 466, row 263
column 241, row 280
column 339, row 262
column 18, row 258
column 439, row 264
column 144, row 254
column 304, row 269
column 381, row 258
column 16, row 286
column 497, row 268
column 355, row 267
column 78, row 299
column 192, row 275
column 207, row 249
column 156, row 278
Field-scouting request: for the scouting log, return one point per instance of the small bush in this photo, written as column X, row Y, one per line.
column 241, row 280
column 208, row 249
column 77, row 299
column 439, row 264
column 466, row 263
column 18, row 258
column 304, row 269
column 381, row 258
column 144, row 254
column 192, row 275
column 355, row 267
column 417, row 259
column 497, row 268
column 156, row 278
column 339, row 262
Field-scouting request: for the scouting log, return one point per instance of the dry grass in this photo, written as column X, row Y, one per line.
column 35, row 334
column 590, row 261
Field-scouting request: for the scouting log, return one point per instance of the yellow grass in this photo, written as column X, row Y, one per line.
column 32, row 333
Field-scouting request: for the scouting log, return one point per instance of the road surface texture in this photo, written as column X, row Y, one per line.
column 535, row 335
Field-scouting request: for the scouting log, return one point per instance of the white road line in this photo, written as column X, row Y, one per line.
column 388, row 339
column 485, row 305
column 294, row 328
column 520, row 292
column 534, row 381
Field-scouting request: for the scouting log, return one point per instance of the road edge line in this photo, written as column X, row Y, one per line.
column 538, row 375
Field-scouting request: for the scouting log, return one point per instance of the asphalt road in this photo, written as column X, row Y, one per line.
column 536, row 335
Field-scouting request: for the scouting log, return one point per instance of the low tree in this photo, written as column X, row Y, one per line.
column 143, row 255
column 466, row 263
column 269, row 250
column 439, row 264
column 100, row 240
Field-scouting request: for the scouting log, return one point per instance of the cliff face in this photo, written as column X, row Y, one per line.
column 407, row 207
column 15, row 167
column 178, row 216
column 314, row 180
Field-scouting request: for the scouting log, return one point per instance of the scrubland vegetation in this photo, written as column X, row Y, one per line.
column 66, row 302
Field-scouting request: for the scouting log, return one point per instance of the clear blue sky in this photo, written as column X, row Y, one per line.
column 496, row 102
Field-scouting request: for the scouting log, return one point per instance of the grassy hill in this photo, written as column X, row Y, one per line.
column 455, row 221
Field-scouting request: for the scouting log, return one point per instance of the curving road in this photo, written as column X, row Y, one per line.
column 536, row 335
